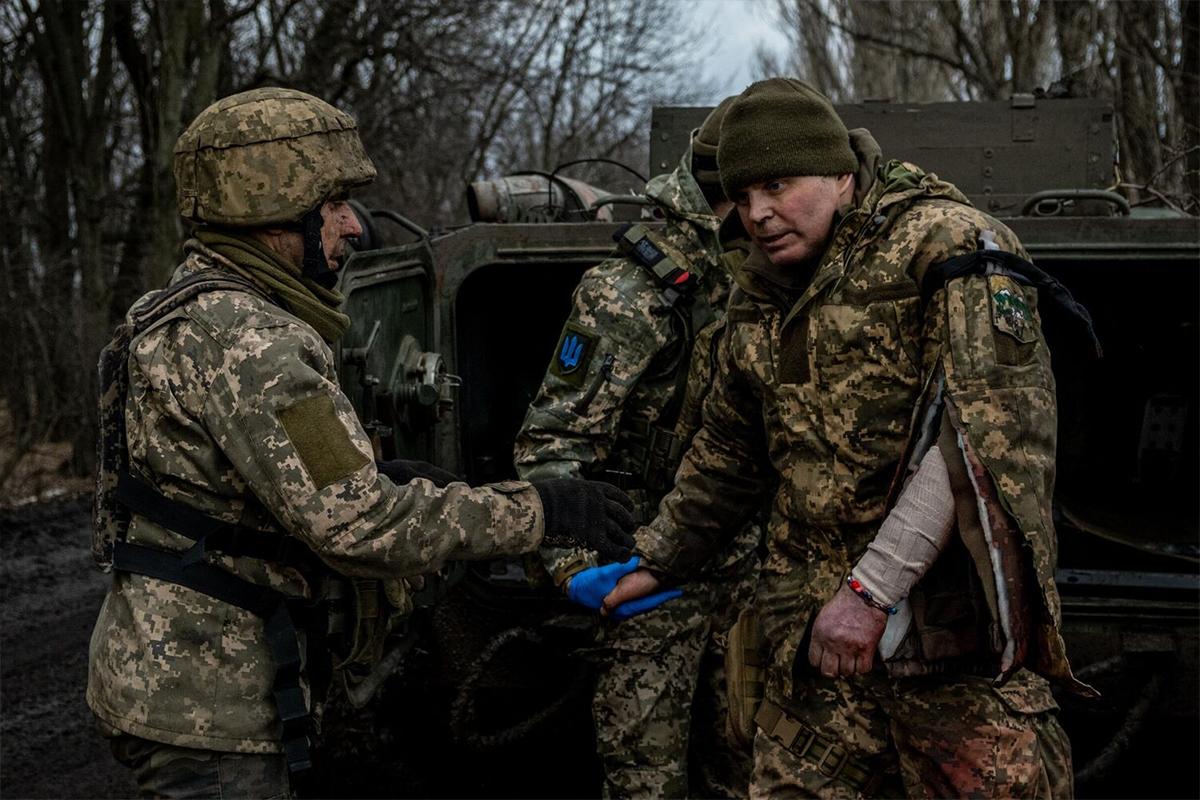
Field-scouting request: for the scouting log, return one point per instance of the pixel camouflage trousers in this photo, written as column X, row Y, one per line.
column 932, row 736
column 947, row 735
column 660, row 696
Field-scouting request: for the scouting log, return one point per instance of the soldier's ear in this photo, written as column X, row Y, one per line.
column 845, row 185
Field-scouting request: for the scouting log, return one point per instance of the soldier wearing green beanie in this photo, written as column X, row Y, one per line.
column 779, row 127
column 889, row 393
column 705, row 141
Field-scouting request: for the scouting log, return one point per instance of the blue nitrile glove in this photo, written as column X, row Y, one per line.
column 589, row 587
column 643, row 604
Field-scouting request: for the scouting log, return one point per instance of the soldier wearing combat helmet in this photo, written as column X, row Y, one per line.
column 237, row 488
column 884, row 380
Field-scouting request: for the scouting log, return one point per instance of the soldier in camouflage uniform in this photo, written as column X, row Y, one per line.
column 622, row 407
column 883, row 331
column 237, row 486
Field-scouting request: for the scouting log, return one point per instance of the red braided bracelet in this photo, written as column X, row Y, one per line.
column 856, row 586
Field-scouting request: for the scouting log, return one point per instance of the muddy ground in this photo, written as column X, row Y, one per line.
column 49, row 595
column 401, row 745
column 404, row 744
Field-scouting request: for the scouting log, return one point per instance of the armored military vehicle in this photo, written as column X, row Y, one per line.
column 452, row 334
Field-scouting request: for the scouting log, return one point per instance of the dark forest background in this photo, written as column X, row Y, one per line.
column 95, row 92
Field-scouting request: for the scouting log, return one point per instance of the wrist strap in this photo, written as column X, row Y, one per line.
column 865, row 595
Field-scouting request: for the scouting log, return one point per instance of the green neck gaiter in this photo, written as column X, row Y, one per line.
column 254, row 261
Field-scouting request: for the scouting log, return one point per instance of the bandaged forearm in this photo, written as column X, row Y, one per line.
column 912, row 535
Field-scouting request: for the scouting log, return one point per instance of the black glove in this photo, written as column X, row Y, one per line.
column 401, row 472
column 591, row 514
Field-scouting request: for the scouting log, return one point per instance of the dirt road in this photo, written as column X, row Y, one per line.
column 49, row 595
column 401, row 745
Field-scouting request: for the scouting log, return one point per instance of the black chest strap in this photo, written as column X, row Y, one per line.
column 283, row 619
column 210, row 533
column 286, row 619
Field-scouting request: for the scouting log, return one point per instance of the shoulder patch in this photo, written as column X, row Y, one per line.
column 642, row 245
column 1010, row 312
column 574, row 351
column 321, row 440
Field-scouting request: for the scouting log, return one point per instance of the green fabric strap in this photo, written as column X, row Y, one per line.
column 305, row 298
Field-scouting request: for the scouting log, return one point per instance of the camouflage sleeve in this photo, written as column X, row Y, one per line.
column 609, row 339
column 984, row 335
column 725, row 475
column 606, row 345
column 282, row 421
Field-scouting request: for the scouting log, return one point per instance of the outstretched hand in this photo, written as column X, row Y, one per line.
column 634, row 586
column 588, row 587
column 845, row 635
column 590, row 514
column 591, row 588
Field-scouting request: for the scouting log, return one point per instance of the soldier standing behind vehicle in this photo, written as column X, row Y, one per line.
column 882, row 329
column 237, row 489
column 619, row 403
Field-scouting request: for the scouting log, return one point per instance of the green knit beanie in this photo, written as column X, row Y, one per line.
column 705, row 140
column 781, row 127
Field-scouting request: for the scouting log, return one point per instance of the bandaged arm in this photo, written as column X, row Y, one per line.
column 913, row 534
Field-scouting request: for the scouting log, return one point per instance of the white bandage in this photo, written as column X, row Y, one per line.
column 913, row 534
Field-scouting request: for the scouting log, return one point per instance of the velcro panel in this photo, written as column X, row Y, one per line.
column 321, row 440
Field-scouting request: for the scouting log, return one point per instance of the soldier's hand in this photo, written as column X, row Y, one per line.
column 634, row 586
column 589, row 586
column 845, row 635
column 640, row 606
column 401, row 472
column 591, row 514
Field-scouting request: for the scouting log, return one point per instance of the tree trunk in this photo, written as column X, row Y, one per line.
column 1136, row 96
column 1189, row 101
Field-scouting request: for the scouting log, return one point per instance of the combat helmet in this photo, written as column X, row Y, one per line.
column 270, row 156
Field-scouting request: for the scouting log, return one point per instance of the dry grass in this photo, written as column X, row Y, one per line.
column 41, row 473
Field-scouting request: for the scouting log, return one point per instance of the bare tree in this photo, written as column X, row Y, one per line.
column 590, row 91
column 64, row 304
column 97, row 91
column 1142, row 55
column 172, row 54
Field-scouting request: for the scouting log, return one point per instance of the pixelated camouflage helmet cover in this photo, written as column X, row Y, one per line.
column 266, row 156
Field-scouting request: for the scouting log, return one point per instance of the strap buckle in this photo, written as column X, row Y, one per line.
column 835, row 760
column 841, row 760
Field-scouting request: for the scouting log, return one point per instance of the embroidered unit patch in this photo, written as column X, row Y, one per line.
column 573, row 353
column 1010, row 313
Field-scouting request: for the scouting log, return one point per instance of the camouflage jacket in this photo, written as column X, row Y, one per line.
column 234, row 409
column 596, row 418
column 827, row 382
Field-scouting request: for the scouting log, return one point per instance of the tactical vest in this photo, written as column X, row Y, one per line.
column 352, row 616
column 651, row 451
